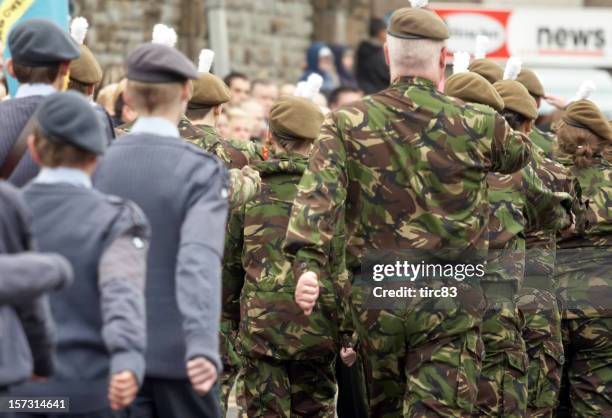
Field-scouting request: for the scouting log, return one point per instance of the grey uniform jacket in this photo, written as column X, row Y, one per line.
column 26, row 332
column 183, row 192
column 100, row 319
column 14, row 115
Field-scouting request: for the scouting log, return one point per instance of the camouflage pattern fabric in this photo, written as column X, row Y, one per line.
column 545, row 141
column 409, row 167
column 584, row 272
column 275, row 338
column 288, row 389
column 234, row 153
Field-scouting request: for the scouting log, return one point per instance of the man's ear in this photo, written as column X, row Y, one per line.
column 9, row 68
column 217, row 110
column 386, row 48
column 64, row 68
column 186, row 93
column 33, row 151
column 443, row 58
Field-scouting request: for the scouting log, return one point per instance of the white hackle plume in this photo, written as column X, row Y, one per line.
column 205, row 60
column 482, row 42
column 586, row 89
column 78, row 29
column 299, row 89
column 312, row 87
column 419, row 4
column 513, row 68
column 164, row 35
column 461, row 62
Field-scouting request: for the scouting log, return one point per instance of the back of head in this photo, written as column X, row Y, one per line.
column 473, row 88
column 517, row 99
column 295, row 118
column 532, row 83
column 377, row 25
column 85, row 70
column 584, row 132
column 488, row 69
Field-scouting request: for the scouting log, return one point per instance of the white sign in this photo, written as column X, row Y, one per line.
column 465, row 27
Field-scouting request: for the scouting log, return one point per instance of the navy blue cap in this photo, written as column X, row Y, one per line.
column 40, row 42
column 157, row 63
column 68, row 118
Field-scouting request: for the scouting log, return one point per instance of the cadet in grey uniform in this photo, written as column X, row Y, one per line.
column 41, row 54
column 100, row 319
column 26, row 332
column 183, row 192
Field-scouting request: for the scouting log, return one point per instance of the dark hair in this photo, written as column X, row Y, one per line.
column 78, row 86
column 580, row 143
column 45, row 75
column 515, row 120
column 118, row 106
column 54, row 154
column 198, row 113
column 234, row 75
column 338, row 91
column 376, row 26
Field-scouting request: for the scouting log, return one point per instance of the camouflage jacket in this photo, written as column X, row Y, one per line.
column 271, row 323
column 409, row 166
column 584, row 267
column 545, row 141
column 234, row 153
column 528, row 200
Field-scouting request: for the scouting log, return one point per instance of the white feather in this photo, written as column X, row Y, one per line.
column 78, row 29
column 419, row 4
column 513, row 68
column 461, row 62
column 586, row 89
column 299, row 89
column 482, row 42
column 205, row 60
column 164, row 35
column 313, row 86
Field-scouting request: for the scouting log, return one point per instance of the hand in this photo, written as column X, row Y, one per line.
column 122, row 389
column 556, row 101
column 202, row 374
column 307, row 292
column 569, row 231
column 348, row 356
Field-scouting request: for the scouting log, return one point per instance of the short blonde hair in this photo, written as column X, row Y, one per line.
column 406, row 55
column 149, row 97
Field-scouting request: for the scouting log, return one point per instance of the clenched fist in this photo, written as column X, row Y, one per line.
column 122, row 389
column 202, row 375
column 307, row 292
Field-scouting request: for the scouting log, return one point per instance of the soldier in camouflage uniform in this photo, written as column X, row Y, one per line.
column 545, row 141
column 517, row 200
column 288, row 358
column 409, row 166
column 584, row 266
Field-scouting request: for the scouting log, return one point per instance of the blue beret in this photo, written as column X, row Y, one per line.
column 40, row 42
column 68, row 118
column 157, row 63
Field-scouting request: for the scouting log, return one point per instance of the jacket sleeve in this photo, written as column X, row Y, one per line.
column 26, row 276
column 198, row 270
column 510, row 150
column 37, row 323
column 121, row 281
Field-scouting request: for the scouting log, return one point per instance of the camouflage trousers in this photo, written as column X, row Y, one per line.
column 421, row 359
column 231, row 369
column 283, row 389
column 587, row 375
column 542, row 335
column 502, row 387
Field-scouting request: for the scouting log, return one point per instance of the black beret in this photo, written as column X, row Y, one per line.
column 40, row 42
column 68, row 118
column 157, row 63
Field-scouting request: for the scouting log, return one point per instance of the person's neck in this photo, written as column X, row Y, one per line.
column 395, row 75
column 172, row 117
column 208, row 120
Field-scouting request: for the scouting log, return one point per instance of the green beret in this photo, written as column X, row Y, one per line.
column 517, row 98
column 531, row 82
column 417, row 23
column 295, row 118
column 585, row 114
column 487, row 68
column 209, row 90
column 86, row 68
column 473, row 88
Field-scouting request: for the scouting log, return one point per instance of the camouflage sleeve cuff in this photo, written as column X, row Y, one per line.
column 301, row 266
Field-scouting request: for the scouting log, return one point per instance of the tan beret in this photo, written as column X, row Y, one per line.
column 517, row 98
column 585, row 114
column 414, row 23
column 487, row 68
column 295, row 117
column 86, row 68
column 531, row 82
column 209, row 90
column 473, row 88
